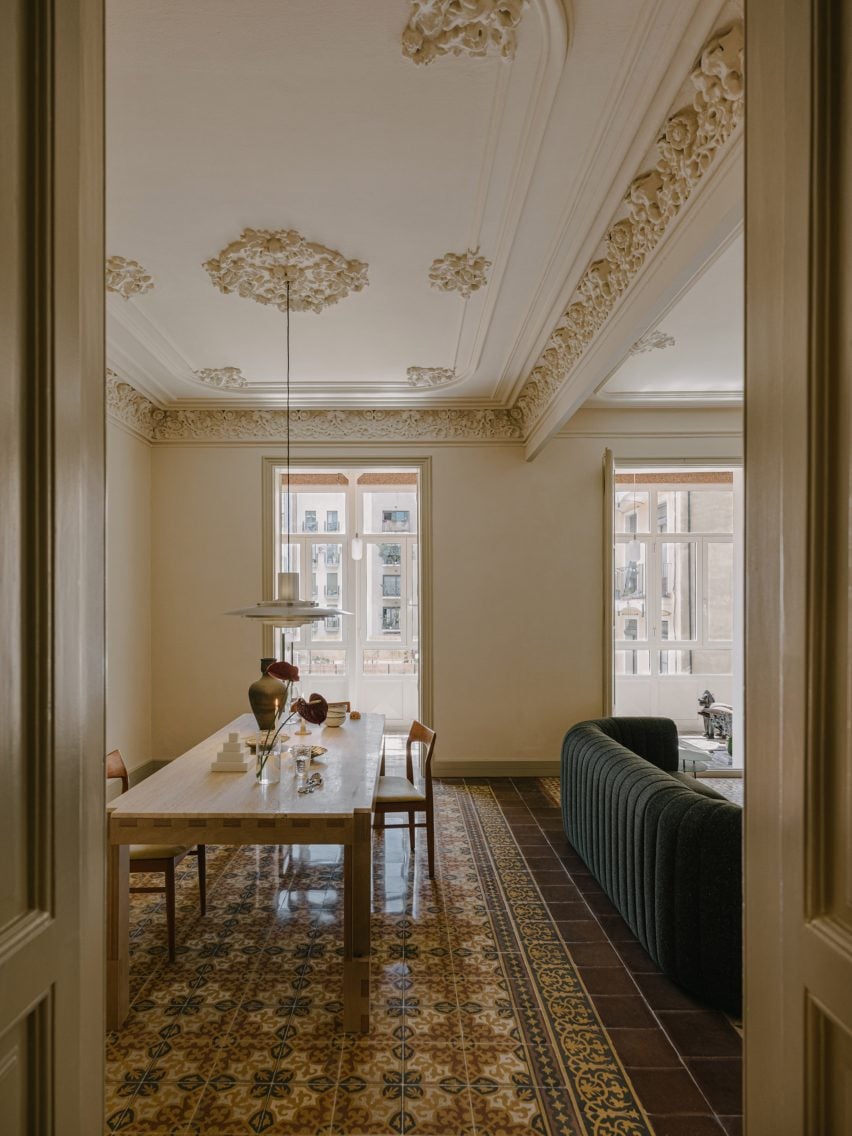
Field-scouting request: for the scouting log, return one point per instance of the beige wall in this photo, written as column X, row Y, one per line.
column 517, row 580
column 128, row 600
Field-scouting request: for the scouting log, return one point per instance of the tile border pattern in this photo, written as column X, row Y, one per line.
column 563, row 1034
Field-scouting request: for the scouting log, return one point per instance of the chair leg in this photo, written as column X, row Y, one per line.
column 430, row 840
column 411, row 828
column 170, row 909
column 202, row 877
column 379, row 819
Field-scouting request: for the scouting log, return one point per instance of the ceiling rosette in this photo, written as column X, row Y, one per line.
column 260, row 264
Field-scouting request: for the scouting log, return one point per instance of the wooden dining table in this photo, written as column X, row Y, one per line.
column 186, row 803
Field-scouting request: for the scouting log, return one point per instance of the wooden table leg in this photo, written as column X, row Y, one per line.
column 357, row 897
column 118, row 935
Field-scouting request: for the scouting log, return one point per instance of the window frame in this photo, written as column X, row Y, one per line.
column 652, row 542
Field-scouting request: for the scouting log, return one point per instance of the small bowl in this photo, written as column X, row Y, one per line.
column 335, row 717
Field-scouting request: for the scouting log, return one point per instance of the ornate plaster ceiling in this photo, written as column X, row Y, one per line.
column 309, row 123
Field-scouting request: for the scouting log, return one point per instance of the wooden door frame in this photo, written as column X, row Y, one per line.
column 798, row 993
column 52, row 431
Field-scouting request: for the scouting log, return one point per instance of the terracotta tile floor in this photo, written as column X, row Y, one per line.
column 508, row 997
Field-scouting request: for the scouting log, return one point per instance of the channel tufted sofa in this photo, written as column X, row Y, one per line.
column 665, row 848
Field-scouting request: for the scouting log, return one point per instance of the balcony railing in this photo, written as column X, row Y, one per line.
column 630, row 581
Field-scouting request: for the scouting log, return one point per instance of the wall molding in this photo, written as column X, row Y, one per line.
column 536, row 768
column 127, row 406
column 158, row 425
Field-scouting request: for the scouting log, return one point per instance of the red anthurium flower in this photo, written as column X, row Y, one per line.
column 315, row 710
column 285, row 671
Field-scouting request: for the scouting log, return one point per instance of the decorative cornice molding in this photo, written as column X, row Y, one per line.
column 259, row 264
column 339, row 425
column 430, row 377
column 212, row 425
column 126, row 277
column 686, row 147
column 652, row 341
column 462, row 272
column 128, row 406
column 462, row 27
column 222, row 378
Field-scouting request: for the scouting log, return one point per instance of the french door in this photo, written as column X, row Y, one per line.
column 674, row 593
column 354, row 538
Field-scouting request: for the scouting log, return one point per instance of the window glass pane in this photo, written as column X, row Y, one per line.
column 677, row 589
column 384, row 563
column 390, row 553
column 291, row 556
column 720, row 591
column 320, row 661
column 630, row 597
column 632, row 662
column 631, row 511
column 314, row 512
column 325, row 573
column 379, row 662
column 413, row 596
column 390, row 511
column 695, row 510
column 696, row 662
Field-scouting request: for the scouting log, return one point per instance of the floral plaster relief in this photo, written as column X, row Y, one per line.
column 259, row 265
column 213, row 425
column 127, row 277
column 462, row 27
column 222, row 378
column 652, row 341
column 429, row 377
column 462, row 272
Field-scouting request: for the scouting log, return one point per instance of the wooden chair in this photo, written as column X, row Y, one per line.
column 159, row 857
column 401, row 794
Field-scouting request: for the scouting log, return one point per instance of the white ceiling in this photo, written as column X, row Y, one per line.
column 305, row 114
column 705, row 362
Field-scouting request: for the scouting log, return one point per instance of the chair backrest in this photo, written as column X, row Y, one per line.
column 115, row 767
column 422, row 734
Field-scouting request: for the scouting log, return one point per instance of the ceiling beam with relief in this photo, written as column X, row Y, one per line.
column 692, row 143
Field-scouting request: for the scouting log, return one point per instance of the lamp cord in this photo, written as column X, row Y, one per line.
column 287, row 388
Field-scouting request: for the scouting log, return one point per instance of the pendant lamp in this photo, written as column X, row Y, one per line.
column 287, row 609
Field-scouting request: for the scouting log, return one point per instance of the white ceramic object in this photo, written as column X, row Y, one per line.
column 335, row 717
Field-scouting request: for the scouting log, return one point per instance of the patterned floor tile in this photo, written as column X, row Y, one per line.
column 368, row 1110
column 471, row 984
column 158, row 1109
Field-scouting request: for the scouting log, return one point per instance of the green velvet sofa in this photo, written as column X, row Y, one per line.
column 665, row 847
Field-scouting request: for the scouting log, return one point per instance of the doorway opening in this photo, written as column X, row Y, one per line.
column 676, row 607
column 355, row 536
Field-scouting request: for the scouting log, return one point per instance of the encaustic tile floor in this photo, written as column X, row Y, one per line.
column 508, row 997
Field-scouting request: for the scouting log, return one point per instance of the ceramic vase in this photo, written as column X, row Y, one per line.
column 266, row 695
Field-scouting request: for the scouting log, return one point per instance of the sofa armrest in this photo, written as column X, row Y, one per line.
column 654, row 739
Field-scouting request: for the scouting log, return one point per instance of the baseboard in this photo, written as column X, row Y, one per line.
column 495, row 768
column 724, row 771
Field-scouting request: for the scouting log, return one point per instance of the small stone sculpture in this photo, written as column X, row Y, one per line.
column 232, row 757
